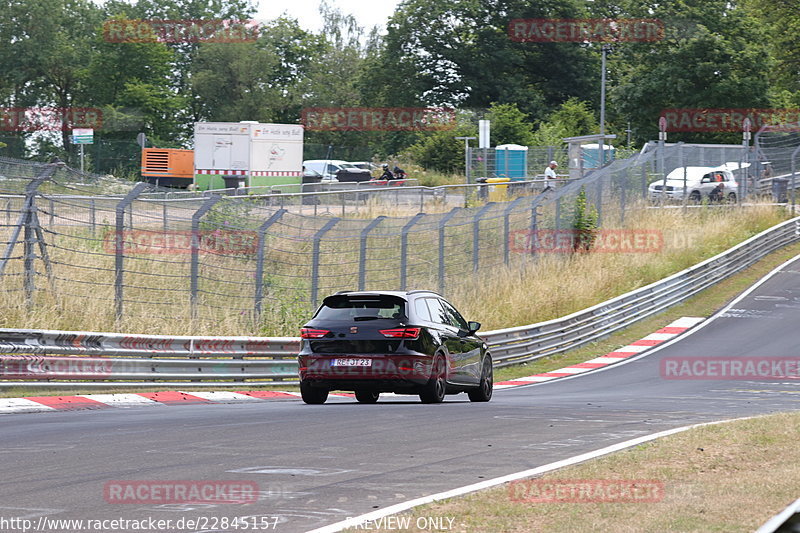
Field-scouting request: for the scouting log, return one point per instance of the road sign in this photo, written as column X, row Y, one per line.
column 83, row 136
column 483, row 133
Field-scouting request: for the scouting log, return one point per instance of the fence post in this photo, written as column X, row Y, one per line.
column 93, row 216
column 558, row 213
column 262, row 232
column 119, row 241
column 506, row 214
column 164, row 216
column 315, row 259
column 28, row 207
column 362, row 257
column 195, row 244
column 476, row 222
column 623, row 191
column 404, row 249
column 599, row 200
column 442, row 225
column 534, row 238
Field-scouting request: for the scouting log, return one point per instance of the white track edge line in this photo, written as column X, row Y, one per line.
column 683, row 335
column 410, row 504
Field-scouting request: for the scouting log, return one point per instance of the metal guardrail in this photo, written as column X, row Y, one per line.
column 527, row 343
column 53, row 358
column 63, row 356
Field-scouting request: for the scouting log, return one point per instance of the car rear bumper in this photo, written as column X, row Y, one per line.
column 384, row 372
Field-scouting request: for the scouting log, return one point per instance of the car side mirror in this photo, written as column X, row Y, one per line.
column 473, row 326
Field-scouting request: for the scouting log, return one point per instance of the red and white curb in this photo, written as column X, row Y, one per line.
column 635, row 348
column 102, row 401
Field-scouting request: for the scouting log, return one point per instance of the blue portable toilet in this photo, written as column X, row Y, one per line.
column 511, row 161
column 591, row 154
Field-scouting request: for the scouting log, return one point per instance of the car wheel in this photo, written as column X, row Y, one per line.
column 695, row 197
column 434, row 390
column 365, row 396
column 312, row 395
column 483, row 392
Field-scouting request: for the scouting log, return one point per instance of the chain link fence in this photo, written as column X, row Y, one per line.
column 88, row 244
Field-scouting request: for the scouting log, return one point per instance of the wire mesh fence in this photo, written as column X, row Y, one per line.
column 258, row 258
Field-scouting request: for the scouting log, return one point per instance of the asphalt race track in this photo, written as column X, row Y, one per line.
column 317, row 465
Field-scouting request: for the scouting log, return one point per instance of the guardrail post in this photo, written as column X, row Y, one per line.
column 476, row 222
column 506, row 232
column 195, row 264
column 442, row 225
column 119, row 245
column 315, row 259
column 404, row 249
column 262, row 233
column 362, row 258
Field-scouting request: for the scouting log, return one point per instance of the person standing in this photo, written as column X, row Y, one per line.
column 550, row 176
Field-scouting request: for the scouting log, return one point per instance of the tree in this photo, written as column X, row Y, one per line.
column 779, row 23
column 574, row 118
column 712, row 56
column 509, row 125
column 441, row 150
column 584, row 223
column 458, row 53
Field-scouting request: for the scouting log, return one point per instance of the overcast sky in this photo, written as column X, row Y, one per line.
column 368, row 12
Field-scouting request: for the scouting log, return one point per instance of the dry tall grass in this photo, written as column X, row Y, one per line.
column 557, row 284
column 527, row 290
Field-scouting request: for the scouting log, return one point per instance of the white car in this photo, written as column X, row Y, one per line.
column 327, row 169
column 698, row 183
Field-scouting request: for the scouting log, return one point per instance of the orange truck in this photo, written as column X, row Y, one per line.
column 168, row 167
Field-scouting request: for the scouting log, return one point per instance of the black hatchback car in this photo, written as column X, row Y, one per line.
column 411, row 342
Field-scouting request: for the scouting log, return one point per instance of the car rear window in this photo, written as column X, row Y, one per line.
column 362, row 308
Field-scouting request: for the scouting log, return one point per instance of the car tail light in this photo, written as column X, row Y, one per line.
column 401, row 333
column 310, row 333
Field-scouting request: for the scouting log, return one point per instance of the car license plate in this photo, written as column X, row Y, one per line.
column 351, row 361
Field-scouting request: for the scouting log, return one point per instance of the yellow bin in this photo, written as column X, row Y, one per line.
column 498, row 191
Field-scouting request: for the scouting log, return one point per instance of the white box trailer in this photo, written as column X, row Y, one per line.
column 247, row 154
